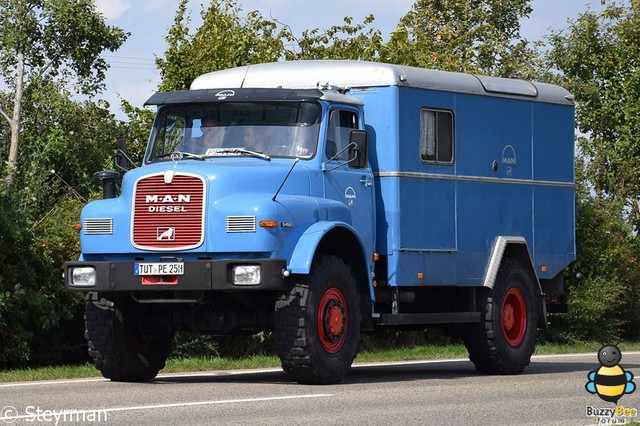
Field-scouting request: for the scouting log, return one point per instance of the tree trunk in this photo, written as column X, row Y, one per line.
column 12, row 163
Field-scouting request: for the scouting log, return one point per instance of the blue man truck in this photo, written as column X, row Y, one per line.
column 316, row 200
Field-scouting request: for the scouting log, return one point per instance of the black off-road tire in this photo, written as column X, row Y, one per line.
column 113, row 340
column 317, row 324
column 504, row 340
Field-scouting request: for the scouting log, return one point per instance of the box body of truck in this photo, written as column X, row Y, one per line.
column 333, row 198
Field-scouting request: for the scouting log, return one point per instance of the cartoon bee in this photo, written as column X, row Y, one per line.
column 610, row 381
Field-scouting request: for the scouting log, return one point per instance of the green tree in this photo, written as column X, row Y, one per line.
column 599, row 60
column 346, row 41
column 224, row 40
column 478, row 36
column 603, row 302
column 45, row 40
column 136, row 130
column 40, row 321
column 74, row 139
column 473, row 36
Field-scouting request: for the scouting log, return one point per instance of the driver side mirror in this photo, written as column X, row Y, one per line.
column 121, row 156
column 358, row 149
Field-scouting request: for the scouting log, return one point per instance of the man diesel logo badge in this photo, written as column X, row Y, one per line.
column 168, row 203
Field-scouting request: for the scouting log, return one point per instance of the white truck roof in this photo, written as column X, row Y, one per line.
column 361, row 74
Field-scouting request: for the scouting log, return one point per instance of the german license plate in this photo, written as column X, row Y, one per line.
column 158, row 268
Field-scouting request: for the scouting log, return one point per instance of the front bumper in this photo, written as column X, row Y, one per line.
column 200, row 275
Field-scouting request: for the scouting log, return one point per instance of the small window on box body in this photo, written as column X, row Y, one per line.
column 436, row 136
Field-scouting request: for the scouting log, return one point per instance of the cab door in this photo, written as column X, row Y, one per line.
column 346, row 181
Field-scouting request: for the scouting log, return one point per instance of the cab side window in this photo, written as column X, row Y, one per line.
column 436, row 136
column 341, row 122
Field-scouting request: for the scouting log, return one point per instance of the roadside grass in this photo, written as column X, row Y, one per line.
column 199, row 364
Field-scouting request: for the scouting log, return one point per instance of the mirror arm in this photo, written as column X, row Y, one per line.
column 123, row 154
column 325, row 170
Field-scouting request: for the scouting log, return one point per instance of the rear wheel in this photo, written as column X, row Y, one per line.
column 503, row 342
column 117, row 345
column 317, row 324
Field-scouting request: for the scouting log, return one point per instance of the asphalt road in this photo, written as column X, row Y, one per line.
column 551, row 391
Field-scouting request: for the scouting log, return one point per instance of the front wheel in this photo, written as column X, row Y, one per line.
column 503, row 342
column 317, row 324
column 117, row 345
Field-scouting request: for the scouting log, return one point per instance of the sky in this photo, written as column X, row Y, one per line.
column 133, row 75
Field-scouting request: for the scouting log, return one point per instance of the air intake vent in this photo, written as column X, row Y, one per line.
column 98, row 226
column 241, row 224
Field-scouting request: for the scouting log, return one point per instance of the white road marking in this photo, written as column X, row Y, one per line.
column 437, row 361
column 52, row 382
column 593, row 354
column 160, row 376
column 161, row 406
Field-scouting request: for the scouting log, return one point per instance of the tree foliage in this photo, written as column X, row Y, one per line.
column 602, row 286
column 345, row 41
column 478, row 36
column 74, row 139
column 50, row 40
column 136, row 130
column 57, row 38
column 225, row 39
column 481, row 36
column 599, row 60
column 45, row 46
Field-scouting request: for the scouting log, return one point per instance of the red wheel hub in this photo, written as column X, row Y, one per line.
column 332, row 320
column 514, row 317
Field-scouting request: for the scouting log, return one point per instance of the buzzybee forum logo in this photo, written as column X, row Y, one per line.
column 610, row 382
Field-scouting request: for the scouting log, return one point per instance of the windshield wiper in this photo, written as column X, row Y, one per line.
column 179, row 155
column 235, row 151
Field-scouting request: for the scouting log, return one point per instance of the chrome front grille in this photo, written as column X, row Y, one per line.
column 168, row 212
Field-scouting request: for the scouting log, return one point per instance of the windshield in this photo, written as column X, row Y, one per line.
column 276, row 129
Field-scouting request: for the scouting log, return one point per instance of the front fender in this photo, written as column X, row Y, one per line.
column 307, row 245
